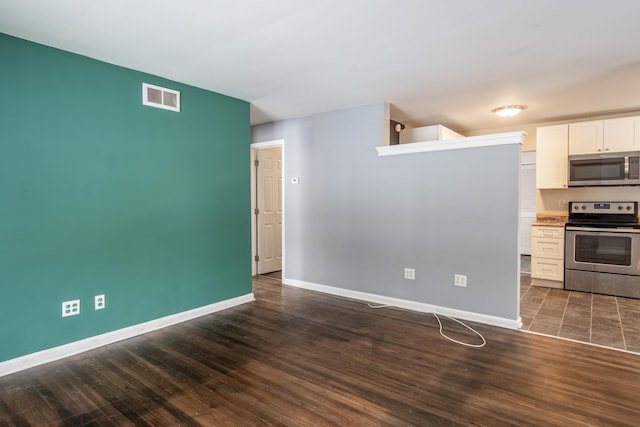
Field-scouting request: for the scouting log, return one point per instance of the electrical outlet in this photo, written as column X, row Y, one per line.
column 71, row 308
column 100, row 302
column 460, row 280
column 410, row 273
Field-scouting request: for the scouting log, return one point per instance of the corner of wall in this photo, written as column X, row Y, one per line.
column 387, row 123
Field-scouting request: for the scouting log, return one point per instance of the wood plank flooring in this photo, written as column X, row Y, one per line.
column 300, row 358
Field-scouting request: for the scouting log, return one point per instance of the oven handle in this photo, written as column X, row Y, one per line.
column 604, row 229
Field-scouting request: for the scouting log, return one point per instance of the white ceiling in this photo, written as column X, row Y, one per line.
column 435, row 61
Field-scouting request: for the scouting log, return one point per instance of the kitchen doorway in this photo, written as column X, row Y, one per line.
column 267, row 206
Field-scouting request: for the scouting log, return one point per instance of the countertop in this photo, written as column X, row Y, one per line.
column 551, row 220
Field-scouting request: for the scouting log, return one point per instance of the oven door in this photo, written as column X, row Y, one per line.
column 604, row 250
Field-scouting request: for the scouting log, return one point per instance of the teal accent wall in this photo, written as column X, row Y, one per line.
column 102, row 195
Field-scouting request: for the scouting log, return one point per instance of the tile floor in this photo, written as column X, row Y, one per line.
column 597, row 319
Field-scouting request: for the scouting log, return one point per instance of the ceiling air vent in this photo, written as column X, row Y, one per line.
column 160, row 97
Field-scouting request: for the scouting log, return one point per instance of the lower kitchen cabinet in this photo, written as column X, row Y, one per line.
column 547, row 256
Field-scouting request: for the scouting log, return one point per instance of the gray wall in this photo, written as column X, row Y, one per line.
column 356, row 220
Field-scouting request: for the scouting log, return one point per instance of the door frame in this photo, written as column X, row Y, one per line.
column 257, row 146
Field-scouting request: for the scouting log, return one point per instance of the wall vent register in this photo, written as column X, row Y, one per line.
column 160, row 97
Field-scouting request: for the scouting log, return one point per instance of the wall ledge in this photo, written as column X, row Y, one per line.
column 453, row 144
column 76, row 347
column 502, row 322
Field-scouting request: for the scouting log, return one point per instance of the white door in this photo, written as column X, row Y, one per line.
column 269, row 209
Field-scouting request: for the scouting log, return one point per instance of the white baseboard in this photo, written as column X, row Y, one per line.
column 56, row 353
column 407, row 304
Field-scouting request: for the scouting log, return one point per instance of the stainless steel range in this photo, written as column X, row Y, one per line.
column 602, row 248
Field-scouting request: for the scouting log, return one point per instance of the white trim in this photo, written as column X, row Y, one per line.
column 256, row 146
column 453, row 144
column 56, row 353
column 267, row 144
column 252, row 174
column 406, row 304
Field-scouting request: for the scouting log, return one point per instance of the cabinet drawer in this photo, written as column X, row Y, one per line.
column 546, row 268
column 547, row 248
column 546, row 231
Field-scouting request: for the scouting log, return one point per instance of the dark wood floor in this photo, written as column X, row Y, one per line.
column 299, row 358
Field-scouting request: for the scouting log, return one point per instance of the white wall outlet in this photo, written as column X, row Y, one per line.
column 295, row 180
column 410, row 273
column 71, row 308
column 100, row 302
column 460, row 280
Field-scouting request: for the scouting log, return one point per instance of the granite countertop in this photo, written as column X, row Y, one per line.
column 551, row 220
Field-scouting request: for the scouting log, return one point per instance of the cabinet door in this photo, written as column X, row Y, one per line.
column 552, row 156
column 622, row 134
column 586, row 137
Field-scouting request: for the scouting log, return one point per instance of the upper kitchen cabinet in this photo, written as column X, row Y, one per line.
column 622, row 134
column 612, row 135
column 552, row 156
column 586, row 137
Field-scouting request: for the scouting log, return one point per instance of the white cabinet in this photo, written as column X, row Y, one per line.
column 552, row 156
column 547, row 256
column 427, row 133
column 446, row 133
column 611, row 135
column 622, row 134
column 586, row 137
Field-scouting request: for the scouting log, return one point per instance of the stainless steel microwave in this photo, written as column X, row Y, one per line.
column 587, row 170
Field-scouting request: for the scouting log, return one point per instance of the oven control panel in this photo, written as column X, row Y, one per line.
column 604, row 207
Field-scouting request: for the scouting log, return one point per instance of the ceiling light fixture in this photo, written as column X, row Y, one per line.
column 509, row 110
